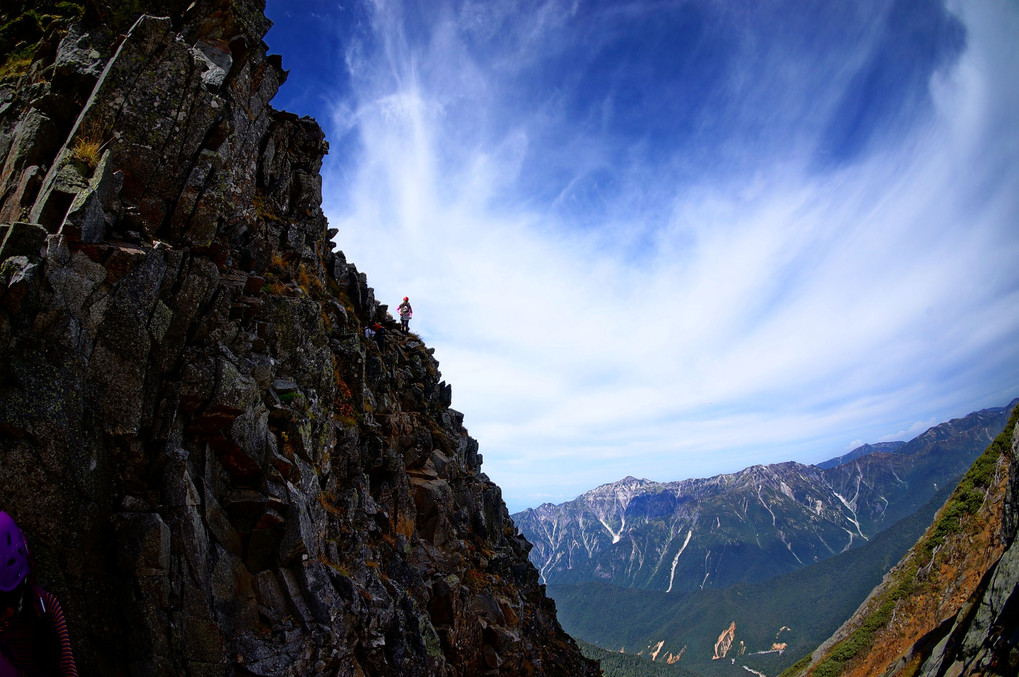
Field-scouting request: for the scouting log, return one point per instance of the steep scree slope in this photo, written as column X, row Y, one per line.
column 951, row 606
column 219, row 474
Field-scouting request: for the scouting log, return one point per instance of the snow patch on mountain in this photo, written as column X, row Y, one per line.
column 675, row 561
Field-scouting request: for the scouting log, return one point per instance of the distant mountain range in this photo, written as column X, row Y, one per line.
column 765, row 626
column 752, row 525
column 722, row 621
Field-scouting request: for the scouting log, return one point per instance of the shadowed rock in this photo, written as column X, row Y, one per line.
column 218, row 473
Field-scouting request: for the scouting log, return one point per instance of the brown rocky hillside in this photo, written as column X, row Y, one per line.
column 218, row 473
column 951, row 607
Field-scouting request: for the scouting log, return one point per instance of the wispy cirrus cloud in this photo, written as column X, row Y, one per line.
column 673, row 239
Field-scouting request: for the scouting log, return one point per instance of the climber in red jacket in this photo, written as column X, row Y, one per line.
column 33, row 633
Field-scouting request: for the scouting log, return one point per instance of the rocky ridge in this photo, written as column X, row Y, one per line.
column 951, row 606
column 218, row 472
column 859, row 452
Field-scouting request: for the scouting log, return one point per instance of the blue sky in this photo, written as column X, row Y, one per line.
column 672, row 239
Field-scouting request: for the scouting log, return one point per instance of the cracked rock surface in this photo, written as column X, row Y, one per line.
column 218, row 473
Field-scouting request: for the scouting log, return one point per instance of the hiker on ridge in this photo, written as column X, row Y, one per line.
column 379, row 335
column 406, row 312
column 33, row 632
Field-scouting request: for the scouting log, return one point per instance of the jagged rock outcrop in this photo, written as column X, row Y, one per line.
column 724, row 642
column 218, row 472
column 984, row 634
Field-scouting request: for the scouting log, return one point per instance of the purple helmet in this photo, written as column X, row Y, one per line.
column 13, row 554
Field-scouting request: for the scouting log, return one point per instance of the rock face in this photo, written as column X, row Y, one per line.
column 219, row 474
column 984, row 634
column 752, row 525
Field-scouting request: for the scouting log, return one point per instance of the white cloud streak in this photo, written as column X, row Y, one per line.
column 698, row 326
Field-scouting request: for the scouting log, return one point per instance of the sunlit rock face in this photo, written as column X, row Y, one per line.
column 984, row 634
column 217, row 471
column 949, row 606
column 751, row 525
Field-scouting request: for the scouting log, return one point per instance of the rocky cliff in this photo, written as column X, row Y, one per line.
column 218, row 473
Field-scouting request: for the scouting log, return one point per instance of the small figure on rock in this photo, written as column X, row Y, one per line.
column 406, row 312
column 33, row 633
column 380, row 336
